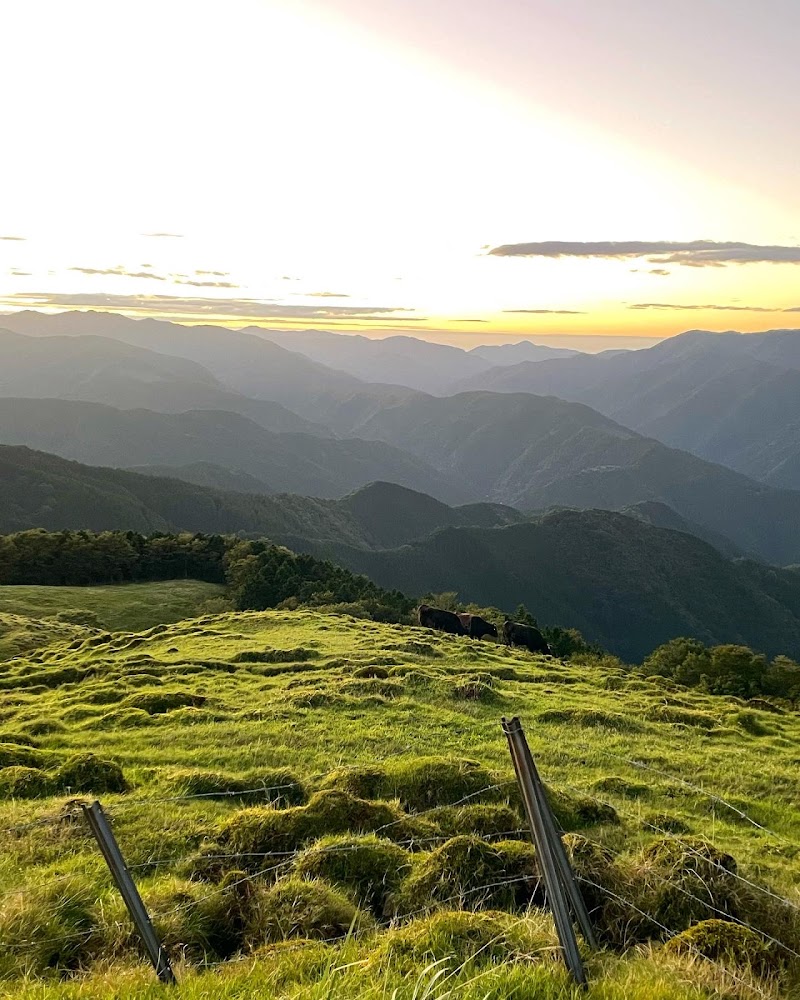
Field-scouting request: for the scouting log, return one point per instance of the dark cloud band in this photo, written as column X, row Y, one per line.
column 697, row 253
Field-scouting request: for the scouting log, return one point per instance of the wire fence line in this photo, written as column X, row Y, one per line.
column 461, row 896
column 686, row 784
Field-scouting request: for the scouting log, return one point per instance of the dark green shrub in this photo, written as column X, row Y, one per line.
column 371, row 868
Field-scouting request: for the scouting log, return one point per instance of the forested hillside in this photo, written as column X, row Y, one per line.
column 624, row 584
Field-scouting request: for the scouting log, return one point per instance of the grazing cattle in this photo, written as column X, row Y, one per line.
column 517, row 634
column 445, row 621
column 477, row 627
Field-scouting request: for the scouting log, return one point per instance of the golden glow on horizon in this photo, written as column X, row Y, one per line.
column 295, row 154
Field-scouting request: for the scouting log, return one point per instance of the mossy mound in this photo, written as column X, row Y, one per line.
column 121, row 718
column 614, row 785
column 57, row 924
column 372, row 670
column 328, row 812
column 159, row 702
column 664, row 823
column 193, row 924
column 460, row 936
column 280, row 786
column 482, row 820
column 86, row 772
column 24, row 783
column 473, row 689
column 681, row 716
column 590, row 718
column 297, row 655
column 728, row 944
column 471, row 873
column 365, row 687
column 20, row 755
column 423, row 782
column 575, row 812
column 303, row 908
column 370, row 867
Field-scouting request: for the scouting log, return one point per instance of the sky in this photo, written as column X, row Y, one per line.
column 469, row 171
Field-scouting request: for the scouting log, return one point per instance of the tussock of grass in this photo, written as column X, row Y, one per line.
column 369, row 867
column 472, row 873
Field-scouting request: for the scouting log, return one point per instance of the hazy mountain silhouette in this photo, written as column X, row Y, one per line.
column 732, row 398
column 297, row 463
column 102, row 370
column 534, row 452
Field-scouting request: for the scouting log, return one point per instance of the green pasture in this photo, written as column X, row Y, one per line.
column 371, row 720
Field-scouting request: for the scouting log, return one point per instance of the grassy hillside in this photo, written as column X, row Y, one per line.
column 128, row 608
column 625, row 584
column 333, row 708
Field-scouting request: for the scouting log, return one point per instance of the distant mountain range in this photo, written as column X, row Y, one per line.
column 295, row 463
column 257, row 416
column 42, row 490
column 730, row 398
column 624, row 582
column 399, row 360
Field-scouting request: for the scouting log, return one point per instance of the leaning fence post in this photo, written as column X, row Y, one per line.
column 109, row 848
column 545, row 836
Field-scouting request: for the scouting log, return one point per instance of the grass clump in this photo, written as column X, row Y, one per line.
column 473, row 689
column 20, row 755
column 281, row 786
column 159, row 702
column 728, row 944
column 86, row 772
column 303, row 908
column 575, row 812
column 19, row 782
column 370, row 867
column 261, row 830
column 491, row 819
column 422, row 782
column 471, row 873
column 681, row 716
column 614, row 785
column 592, row 718
column 462, row 937
column 370, row 687
column 56, row 924
column 298, row 655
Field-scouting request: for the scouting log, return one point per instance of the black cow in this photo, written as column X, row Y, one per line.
column 477, row 627
column 517, row 634
column 445, row 621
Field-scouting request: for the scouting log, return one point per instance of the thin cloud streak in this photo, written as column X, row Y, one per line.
column 548, row 312
column 164, row 236
column 697, row 253
column 717, row 306
column 14, row 239
column 174, row 304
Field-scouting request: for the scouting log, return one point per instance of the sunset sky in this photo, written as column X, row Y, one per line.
column 466, row 170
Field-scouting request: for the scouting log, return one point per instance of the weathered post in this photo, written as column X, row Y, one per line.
column 109, row 848
column 561, row 890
